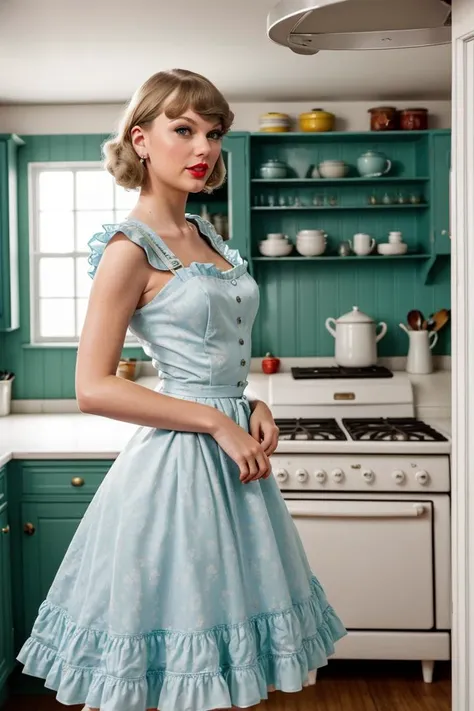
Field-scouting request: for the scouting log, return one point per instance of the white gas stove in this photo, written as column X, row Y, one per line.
column 367, row 484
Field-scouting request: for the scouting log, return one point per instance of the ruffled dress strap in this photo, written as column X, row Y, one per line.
column 208, row 231
column 157, row 254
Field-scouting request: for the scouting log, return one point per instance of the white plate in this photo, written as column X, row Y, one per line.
column 389, row 249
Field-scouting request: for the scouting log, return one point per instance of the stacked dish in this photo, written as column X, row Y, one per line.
column 276, row 245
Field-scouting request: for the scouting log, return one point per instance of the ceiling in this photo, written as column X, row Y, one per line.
column 92, row 51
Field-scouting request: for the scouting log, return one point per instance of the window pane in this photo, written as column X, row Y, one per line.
column 56, row 231
column 57, row 318
column 94, row 190
column 81, row 305
column 83, row 280
column 121, row 215
column 88, row 223
column 56, row 276
column 125, row 199
column 55, row 190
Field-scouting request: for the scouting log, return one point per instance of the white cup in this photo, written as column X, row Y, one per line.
column 362, row 244
column 394, row 237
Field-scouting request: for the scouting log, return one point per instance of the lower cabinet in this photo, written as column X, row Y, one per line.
column 46, row 502
column 6, row 618
column 48, row 529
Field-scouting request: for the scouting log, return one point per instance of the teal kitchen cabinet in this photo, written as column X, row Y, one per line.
column 232, row 198
column 440, row 188
column 237, row 146
column 48, row 529
column 9, row 290
column 6, row 615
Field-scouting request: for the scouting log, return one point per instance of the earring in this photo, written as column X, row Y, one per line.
column 143, row 160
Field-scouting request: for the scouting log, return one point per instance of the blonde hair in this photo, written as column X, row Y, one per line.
column 190, row 91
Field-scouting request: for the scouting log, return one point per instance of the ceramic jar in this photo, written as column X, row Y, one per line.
column 383, row 118
column 274, row 122
column 373, row 164
column 316, row 120
column 356, row 338
column 273, row 169
column 414, row 119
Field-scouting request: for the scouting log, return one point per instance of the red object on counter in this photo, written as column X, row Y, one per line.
column 270, row 364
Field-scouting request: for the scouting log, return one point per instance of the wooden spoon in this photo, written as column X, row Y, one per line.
column 415, row 319
column 438, row 320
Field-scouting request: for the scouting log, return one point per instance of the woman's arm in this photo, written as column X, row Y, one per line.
column 118, row 285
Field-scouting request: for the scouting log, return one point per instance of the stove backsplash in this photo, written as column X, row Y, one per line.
column 296, row 299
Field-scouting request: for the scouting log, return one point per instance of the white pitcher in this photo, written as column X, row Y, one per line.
column 419, row 359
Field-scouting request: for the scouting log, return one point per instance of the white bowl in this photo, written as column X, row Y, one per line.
column 310, row 250
column 392, row 249
column 275, row 248
column 333, row 169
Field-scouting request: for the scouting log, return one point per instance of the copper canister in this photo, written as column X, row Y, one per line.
column 414, row 119
column 383, row 118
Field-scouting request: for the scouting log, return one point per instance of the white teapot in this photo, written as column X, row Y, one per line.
column 356, row 338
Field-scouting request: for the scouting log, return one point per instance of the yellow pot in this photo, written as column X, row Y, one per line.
column 316, row 120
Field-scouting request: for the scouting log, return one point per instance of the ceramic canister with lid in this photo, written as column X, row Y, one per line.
column 356, row 338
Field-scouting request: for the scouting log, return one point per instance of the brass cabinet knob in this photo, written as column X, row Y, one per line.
column 6, row 529
column 29, row 529
column 77, row 481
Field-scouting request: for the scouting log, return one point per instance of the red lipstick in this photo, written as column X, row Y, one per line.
column 199, row 170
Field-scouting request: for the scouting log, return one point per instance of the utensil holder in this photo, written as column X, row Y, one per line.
column 5, row 397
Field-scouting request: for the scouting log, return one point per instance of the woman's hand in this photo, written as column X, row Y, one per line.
column 263, row 427
column 242, row 448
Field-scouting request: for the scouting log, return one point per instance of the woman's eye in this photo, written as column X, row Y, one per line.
column 216, row 135
column 183, row 130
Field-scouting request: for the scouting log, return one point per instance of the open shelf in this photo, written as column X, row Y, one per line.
column 351, row 257
column 394, row 206
column 341, row 181
column 340, row 136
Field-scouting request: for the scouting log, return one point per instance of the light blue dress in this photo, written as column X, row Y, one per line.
column 184, row 589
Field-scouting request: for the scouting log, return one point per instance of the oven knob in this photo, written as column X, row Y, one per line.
column 281, row 475
column 337, row 475
column 368, row 475
column 320, row 475
column 422, row 477
column 399, row 476
column 301, row 475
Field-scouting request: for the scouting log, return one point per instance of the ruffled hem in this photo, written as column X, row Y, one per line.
column 182, row 671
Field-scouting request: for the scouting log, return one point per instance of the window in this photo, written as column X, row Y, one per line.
column 69, row 202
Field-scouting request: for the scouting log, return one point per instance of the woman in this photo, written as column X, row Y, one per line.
column 186, row 586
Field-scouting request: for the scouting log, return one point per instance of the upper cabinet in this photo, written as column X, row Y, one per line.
column 9, row 295
column 441, row 169
column 228, row 206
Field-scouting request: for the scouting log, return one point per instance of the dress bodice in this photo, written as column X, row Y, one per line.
column 197, row 329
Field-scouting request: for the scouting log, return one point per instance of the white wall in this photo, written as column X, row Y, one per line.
column 102, row 118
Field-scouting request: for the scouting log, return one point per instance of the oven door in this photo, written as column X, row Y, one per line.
column 374, row 558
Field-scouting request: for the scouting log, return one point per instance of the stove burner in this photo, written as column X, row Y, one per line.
column 337, row 371
column 392, row 429
column 306, row 429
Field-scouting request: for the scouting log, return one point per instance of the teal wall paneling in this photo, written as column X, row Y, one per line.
column 296, row 300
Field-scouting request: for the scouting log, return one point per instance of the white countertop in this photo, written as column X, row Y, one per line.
column 74, row 435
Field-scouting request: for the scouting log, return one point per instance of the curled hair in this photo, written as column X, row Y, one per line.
column 187, row 90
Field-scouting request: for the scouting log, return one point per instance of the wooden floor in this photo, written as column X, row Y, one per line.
column 341, row 686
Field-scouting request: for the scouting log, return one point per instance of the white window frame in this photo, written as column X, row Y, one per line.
column 34, row 169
